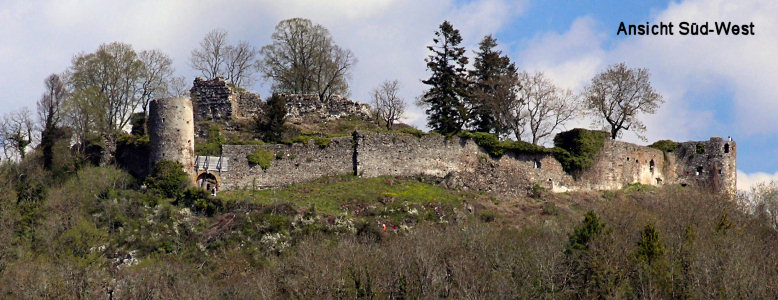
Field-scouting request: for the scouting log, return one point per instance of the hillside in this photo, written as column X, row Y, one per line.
column 98, row 232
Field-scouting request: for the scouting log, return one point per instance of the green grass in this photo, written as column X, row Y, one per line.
column 341, row 194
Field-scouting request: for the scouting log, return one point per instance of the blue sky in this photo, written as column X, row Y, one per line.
column 712, row 85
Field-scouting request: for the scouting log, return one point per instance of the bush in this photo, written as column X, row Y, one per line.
column 321, row 141
column 700, row 149
column 200, row 200
column 412, row 131
column 497, row 148
column 536, row 191
column 577, row 148
column 664, row 145
column 487, row 216
column 214, row 141
column 261, row 157
column 168, row 179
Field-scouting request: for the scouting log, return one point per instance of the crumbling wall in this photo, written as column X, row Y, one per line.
column 294, row 163
column 171, row 132
column 213, row 100
column 620, row 163
column 707, row 164
column 300, row 106
column 463, row 164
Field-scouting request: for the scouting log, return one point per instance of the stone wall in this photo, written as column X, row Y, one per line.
column 461, row 163
column 300, row 106
column 297, row 163
column 708, row 164
column 213, row 100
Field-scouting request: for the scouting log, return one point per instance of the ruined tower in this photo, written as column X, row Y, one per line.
column 708, row 164
column 171, row 132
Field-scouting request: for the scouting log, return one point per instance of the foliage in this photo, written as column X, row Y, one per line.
column 261, row 157
column 700, row 149
column 236, row 63
column 271, row 125
column 168, row 179
column 580, row 147
column 665, row 145
column 200, row 201
column 321, row 141
column 303, row 58
column 585, row 232
column 412, row 131
column 493, row 88
column 448, row 86
column 497, row 148
column 629, row 88
column 213, row 143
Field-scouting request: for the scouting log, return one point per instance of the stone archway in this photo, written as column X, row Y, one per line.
column 208, row 181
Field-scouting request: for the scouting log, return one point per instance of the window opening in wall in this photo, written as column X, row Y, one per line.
column 699, row 171
column 637, row 161
column 719, row 171
column 627, row 158
column 651, row 166
column 537, row 164
column 726, row 148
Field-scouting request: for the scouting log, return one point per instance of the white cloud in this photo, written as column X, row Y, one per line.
column 681, row 66
column 389, row 37
column 746, row 181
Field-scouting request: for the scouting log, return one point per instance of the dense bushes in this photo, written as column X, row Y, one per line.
column 665, row 145
column 577, row 148
column 168, row 179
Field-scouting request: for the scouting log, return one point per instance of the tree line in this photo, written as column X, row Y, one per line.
column 108, row 90
column 494, row 97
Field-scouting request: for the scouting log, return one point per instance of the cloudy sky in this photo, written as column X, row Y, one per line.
column 712, row 85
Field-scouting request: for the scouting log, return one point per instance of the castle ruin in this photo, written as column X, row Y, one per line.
column 460, row 162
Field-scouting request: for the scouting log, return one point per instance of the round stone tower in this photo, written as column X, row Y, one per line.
column 171, row 132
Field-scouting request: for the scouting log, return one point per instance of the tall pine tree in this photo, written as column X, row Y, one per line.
column 494, row 81
column 447, row 110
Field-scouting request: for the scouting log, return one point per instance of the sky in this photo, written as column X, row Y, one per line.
column 712, row 85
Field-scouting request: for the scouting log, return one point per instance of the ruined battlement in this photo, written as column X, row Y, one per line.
column 215, row 100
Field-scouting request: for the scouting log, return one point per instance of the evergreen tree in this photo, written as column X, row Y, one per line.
column 275, row 115
column 446, row 108
column 494, row 80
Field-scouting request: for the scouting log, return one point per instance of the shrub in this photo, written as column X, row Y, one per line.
column 577, row 148
column 214, row 141
column 321, row 141
column 261, row 157
column 536, row 191
column 280, row 155
column 412, row 131
column 168, row 179
column 700, row 149
column 664, row 145
column 200, row 200
column 590, row 228
column 497, row 148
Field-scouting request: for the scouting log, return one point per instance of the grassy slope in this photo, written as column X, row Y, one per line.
column 324, row 239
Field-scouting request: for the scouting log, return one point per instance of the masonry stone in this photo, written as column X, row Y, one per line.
column 171, row 132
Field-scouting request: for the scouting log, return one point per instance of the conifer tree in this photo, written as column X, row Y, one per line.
column 445, row 100
column 494, row 81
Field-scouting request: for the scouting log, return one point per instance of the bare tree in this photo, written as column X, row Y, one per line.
column 210, row 57
column 546, row 107
column 388, row 105
column 50, row 115
column 241, row 64
column 302, row 58
column 618, row 95
column 178, row 87
column 155, row 76
column 17, row 133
